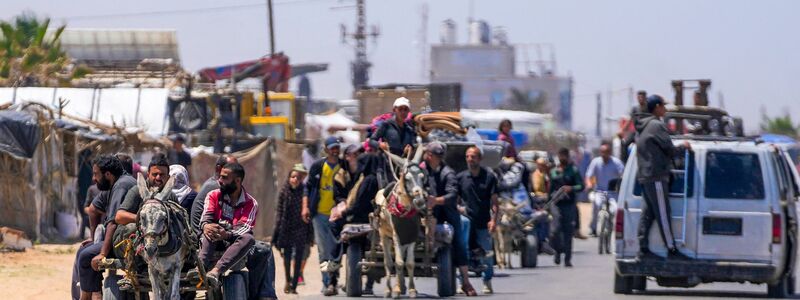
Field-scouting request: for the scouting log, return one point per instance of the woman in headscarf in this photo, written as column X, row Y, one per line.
column 182, row 189
column 292, row 236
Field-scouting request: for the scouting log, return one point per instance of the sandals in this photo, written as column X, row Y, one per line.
column 468, row 290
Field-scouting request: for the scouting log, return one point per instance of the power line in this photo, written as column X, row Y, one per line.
column 186, row 11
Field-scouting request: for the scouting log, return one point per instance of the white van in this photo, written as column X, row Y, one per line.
column 734, row 214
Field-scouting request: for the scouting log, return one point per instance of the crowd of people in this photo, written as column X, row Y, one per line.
column 325, row 192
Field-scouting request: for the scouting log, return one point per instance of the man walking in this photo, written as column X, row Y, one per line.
column 443, row 198
column 601, row 171
column 567, row 178
column 654, row 153
column 478, row 191
column 321, row 195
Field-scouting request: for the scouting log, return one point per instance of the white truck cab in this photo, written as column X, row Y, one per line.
column 732, row 208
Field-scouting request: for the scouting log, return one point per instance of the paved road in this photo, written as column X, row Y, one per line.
column 591, row 278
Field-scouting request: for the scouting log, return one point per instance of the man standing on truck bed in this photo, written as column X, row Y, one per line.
column 654, row 153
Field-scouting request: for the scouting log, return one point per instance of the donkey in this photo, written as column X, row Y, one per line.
column 400, row 208
column 163, row 228
column 504, row 234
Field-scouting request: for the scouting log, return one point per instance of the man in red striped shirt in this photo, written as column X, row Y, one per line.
column 232, row 204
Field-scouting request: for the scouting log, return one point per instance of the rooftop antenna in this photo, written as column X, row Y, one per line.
column 360, row 65
column 423, row 41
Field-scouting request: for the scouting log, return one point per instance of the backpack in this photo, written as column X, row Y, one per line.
column 380, row 119
column 377, row 122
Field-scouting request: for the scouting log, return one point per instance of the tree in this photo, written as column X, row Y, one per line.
column 779, row 125
column 29, row 56
column 525, row 100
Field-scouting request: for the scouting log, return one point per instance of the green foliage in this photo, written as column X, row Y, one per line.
column 779, row 125
column 525, row 100
column 29, row 56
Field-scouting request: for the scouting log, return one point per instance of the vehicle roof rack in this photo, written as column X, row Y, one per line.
column 718, row 138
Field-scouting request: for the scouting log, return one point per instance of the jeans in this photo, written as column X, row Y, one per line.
column 91, row 280
column 326, row 245
column 261, row 265
column 463, row 241
column 484, row 239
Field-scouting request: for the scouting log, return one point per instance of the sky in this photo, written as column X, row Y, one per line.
column 750, row 49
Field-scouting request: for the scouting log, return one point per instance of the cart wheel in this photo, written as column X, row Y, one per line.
column 446, row 281
column 353, row 280
column 530, row 251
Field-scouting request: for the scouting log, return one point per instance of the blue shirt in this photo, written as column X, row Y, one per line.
column 604, row 172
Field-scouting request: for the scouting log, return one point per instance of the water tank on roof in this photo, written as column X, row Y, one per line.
column 479, row 33
column 448, row 32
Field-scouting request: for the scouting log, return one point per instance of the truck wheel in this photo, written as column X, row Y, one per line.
column 639, row 283
column 622, row 284
column 353, row 280
column 234, row 287
column 779, row 289
column 446, row 276
column 529, row 252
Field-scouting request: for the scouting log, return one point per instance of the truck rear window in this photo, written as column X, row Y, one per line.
column 733, row 176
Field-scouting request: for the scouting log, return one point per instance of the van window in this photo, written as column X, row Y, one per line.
column 733, row 176
column 676, row 180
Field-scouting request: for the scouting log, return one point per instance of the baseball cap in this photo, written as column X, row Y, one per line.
column 436, row 148
column 300, row 168
column 653, row 101
column 352, row 148
column 332, row 142
column 402, row 101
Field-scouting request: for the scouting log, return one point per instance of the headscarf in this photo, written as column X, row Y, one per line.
column 181, row 187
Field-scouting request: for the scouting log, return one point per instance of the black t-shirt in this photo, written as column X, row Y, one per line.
column 133, row 200
column 180, row 158
column 117, row 196
column 476, row 192
column 444, row 183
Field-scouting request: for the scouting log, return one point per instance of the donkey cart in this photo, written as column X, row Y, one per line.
column 432, row 256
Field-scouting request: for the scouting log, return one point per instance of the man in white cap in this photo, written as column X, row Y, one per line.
column 395, row 134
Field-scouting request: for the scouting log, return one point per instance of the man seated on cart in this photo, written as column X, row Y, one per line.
column 228, row 220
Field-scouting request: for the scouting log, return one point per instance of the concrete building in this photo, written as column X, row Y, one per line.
column 486, row 68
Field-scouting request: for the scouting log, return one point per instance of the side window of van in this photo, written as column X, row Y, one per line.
column 731, row 175
column 676, row 180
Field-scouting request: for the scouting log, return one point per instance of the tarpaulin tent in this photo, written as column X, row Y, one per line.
column 267, row 167
column 39, row 155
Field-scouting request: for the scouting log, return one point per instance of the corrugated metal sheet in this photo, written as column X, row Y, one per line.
column 120, row 45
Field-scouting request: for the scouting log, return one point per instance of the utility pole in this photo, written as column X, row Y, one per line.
column 598, row 115
column 423, row 41
column 271, row 28
column 360, row 65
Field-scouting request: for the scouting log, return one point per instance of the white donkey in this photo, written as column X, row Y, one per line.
column 399, row 222
column 166, row 237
